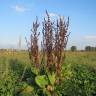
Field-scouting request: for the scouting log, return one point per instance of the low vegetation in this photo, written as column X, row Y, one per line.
column 46, row 72
column 79, row 73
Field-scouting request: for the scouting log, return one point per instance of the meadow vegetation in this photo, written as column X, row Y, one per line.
column 79, row 72
column 51, row 71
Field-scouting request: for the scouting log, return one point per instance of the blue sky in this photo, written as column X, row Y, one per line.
column 16, row 17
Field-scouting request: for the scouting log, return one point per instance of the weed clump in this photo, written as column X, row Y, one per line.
column 55, row 38
column 47, row 62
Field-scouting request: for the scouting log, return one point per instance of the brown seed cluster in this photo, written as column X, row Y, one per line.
column 33, row 45
column 48, row 40
column 55, row 38
column 61, row 39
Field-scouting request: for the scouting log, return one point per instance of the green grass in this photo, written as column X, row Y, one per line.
column 86, row 58
column 79, row 74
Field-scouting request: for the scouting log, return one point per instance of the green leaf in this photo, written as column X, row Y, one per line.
column 35, row 70
column 28, row 89
column 41, row 81
column 51, row 78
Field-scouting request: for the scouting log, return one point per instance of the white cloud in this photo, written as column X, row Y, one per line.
column 19, row 8
column 90, row 37
column 53, row 15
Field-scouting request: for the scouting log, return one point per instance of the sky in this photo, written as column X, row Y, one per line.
column 16, row 17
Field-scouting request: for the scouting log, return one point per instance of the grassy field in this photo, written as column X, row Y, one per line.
column 88, row 58
column 79, row 74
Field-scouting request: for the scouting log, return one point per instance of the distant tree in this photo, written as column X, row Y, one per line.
column 92, row 48
column 73, row 48
column 95, row 48
column 88, row 48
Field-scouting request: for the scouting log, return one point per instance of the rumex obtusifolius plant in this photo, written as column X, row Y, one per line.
column 48, row 61
column 54, row 41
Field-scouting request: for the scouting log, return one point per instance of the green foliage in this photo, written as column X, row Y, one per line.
column 7, row 85
column 73, row 48
column 42, row 81
column 17, row 67
column 23, row 89
column 79, row 80
column 52, row 78
column 78, row 77
column 35, row 70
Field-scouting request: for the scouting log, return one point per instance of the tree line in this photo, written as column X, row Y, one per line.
column 87, row 48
